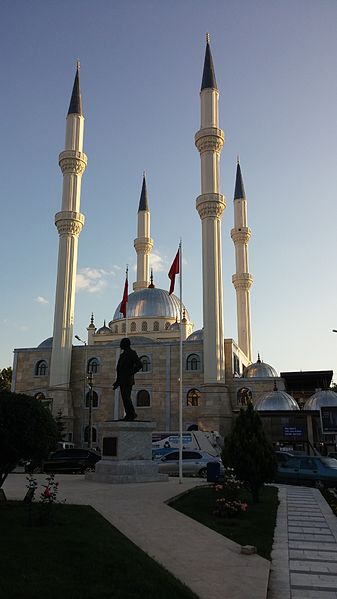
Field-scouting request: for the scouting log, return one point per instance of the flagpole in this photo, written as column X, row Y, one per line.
column 126, row 306
column 181, row 367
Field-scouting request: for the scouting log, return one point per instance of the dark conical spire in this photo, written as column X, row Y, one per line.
column 239, row 192
column 75, row 106
column 143, row 202
column 208, row 76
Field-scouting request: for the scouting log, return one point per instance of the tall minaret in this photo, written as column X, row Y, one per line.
column 143, row 242
column 210, row 205
column 69, row 223
column 242, row 280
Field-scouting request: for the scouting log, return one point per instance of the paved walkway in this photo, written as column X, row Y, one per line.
column 208, row 563
column 304, row 557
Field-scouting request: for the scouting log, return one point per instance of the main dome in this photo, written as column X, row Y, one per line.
column 151, row 302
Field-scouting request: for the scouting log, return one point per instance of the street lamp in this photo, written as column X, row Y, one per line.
column 89, row 378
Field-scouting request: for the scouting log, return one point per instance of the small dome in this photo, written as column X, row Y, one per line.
column 104, row 330
column 46, row 343
column 151, row 302
column 175, row 326
column 259, row 369
column 276, row 400
column 321, row 399
column 196, row 335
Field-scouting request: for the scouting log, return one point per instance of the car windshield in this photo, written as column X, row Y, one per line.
column 329, row 462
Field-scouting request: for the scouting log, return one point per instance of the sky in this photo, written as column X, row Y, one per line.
column 141, row 69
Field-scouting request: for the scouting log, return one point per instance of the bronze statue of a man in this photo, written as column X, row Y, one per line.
column 127, row 366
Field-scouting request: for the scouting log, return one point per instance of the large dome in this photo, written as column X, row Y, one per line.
column 259, row 370
column 196, row 335
column 151, row 302
column 320, row 399
column 276, row 400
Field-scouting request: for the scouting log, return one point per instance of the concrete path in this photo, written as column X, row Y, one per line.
column 304, row 557
column 208, row 563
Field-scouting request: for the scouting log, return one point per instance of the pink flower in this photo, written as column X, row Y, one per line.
column 47, row 492
column 244, row 507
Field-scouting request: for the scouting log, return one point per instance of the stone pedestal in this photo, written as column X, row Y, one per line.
column 126, row 453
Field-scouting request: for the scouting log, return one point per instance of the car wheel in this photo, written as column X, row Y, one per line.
column 203, row 473
column 319, row 484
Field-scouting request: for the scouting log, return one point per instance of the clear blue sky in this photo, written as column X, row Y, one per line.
column 141, row 68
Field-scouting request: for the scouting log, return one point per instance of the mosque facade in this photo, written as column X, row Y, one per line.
column 218, row 375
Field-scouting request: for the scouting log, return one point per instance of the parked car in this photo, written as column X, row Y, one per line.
column 332, row 454
column 194, row 463
column 70, row 460
column 308, row 470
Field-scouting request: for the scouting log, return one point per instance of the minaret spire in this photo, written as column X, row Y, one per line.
column 210, row 205
column 69, row 223
column 143, row 242
column 242, row 280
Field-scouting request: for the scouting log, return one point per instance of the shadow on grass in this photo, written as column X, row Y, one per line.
column 254, row 527
column 78, row 555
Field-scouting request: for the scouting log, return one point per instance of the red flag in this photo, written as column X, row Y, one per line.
column 174, row 270
column 124, row 301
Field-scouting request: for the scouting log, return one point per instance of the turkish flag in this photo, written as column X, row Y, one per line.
column 124, row 301
column 174, row 270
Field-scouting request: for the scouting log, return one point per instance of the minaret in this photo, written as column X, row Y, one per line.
column 210, row 205
column 69, row 223
column 242, row 280
column 143, row 242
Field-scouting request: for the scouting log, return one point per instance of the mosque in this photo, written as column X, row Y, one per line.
column 218, row 375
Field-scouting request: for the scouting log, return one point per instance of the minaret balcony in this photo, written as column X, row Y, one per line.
column 241, row 236
column 73, row 162
column 209, row 140
column 243, row 280
column 210, row 205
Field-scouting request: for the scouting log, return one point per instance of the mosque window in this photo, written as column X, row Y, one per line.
column 156, row 325
column 236, row 365
column 244, row 396
column 167, row 325
column 144, row 325
column 41, row 368
column 143, row 399
column 123, row 327
column 93, row 365
column 93, row 434
column 193, row 362
column 193, row 397
column 145, row 360
column 94, row 399
column 133, row 327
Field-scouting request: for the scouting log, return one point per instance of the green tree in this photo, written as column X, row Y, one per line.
column 248, row 451
column 60, row 426
column 27, row 431
column 6, row 379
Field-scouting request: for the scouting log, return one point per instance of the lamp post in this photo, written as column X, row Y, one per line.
column 88, row 378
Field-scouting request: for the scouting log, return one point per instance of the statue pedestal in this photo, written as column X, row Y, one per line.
column 126, row 453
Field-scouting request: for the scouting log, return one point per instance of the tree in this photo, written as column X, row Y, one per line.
column 248, row 451
column 60, row 426
column 27, row 431
column 6, row 379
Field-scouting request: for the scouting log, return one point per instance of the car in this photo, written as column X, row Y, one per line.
column 332, row 454
column 194, row 463
column 70, row 460
column 308, row 470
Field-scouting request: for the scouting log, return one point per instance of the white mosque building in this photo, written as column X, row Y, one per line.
column 218, row 375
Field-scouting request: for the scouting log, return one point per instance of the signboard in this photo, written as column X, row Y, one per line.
column 293, row 431
column 329, row 420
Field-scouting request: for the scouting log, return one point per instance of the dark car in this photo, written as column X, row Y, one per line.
column 308, row 470
column 67, row 460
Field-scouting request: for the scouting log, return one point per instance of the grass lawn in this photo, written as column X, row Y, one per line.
column 254, row 527
column 79, row 555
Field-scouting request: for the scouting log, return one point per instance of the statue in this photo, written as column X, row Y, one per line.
column 127, row 366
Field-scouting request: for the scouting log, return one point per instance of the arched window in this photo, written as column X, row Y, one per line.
column 93, row 365
column 123, row 327
column 193, row 362
column 244, row 396
column 167, row 325
column 94, row 399
column 193, row 397
column 144, row 325
column 93, row 434
column 145, row 360
column 40, row 396
column 143, row 399
column 156, row 325
column 41, row 368
column 133, row 327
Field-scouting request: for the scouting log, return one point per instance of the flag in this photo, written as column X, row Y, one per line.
column 124, row 301
column 174, row 270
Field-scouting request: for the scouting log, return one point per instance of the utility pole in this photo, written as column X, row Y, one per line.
column 90, row 384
